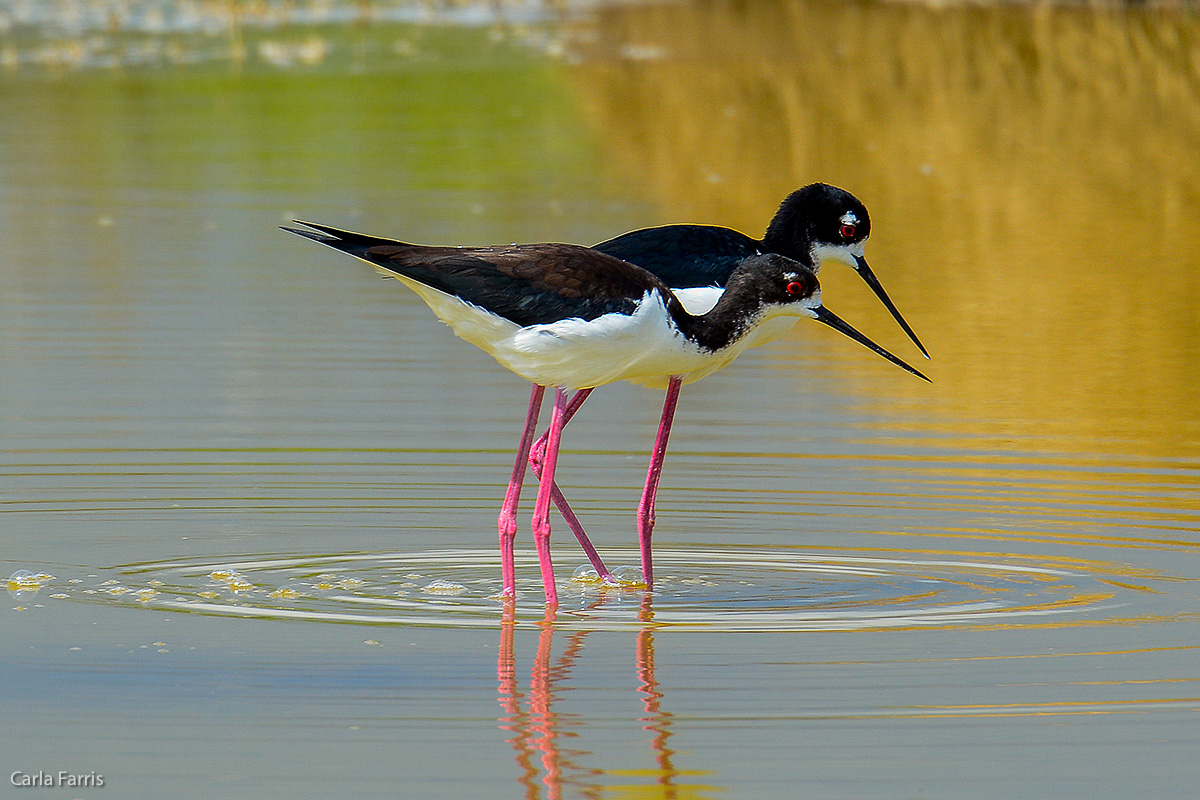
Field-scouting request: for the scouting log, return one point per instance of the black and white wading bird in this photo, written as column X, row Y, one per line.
column 572, row 317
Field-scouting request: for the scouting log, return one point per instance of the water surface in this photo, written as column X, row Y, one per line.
column 249, row 490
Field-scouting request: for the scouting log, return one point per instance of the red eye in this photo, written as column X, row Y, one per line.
column 847, row 231
column 795, row 287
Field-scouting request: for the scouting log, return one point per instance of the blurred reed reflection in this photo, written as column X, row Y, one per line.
column 1031, row 173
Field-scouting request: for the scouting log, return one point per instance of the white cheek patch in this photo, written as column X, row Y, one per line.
column 841, row 253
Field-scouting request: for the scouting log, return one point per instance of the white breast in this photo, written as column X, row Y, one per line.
column 643, row 347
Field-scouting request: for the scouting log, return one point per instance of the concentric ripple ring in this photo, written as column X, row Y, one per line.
column 719, row 588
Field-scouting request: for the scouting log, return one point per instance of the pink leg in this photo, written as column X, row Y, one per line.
column 541, row 509
column 538, row 452
column 508, row 511
column 536, row 456
column 645, row 519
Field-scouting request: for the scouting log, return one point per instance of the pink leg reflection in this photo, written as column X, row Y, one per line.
column 539, row 735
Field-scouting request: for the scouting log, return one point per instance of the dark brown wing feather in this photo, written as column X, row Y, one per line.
column 527, row 284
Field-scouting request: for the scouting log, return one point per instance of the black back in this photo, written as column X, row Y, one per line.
column 684, row 255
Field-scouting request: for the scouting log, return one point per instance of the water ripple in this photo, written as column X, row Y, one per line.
column 727, row 589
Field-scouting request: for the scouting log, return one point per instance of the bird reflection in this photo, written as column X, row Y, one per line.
column 655, row 719
column 538, row 733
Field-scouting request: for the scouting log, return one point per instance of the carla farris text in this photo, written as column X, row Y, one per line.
column 29, row 780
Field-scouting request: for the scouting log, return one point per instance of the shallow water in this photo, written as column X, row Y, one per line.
column 249, row 491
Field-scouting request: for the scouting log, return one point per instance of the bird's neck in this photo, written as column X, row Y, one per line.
column 738, row 312
column 796, row 245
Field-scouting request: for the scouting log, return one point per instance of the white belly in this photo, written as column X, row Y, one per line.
column 644, row 348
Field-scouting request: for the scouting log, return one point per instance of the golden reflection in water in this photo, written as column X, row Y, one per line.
column 1031, row 172
column 538, row 731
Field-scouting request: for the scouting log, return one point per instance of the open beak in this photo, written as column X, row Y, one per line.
column 822, row 314
column 860, row 266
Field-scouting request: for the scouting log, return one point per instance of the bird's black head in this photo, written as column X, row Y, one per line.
column 772, row 279
column 822, row 223
column 817, row 221
column 767, row 286
column 792, row 290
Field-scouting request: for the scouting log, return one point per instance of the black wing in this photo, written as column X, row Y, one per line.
column 527, row 284
column 684, row 256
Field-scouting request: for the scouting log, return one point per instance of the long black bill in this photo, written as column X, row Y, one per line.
column 877, row 288
column 840, row 325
